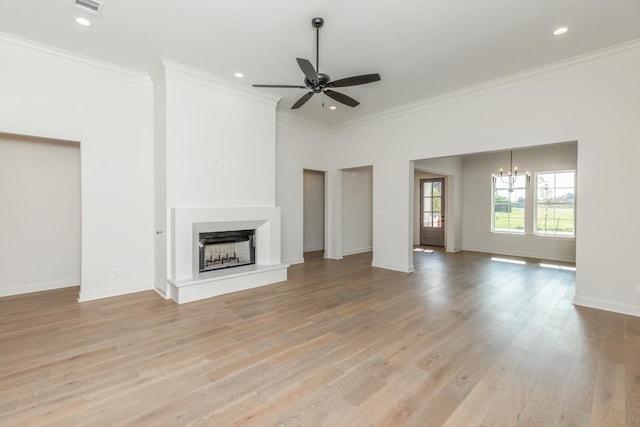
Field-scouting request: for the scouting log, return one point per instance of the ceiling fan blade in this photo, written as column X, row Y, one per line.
column 295, row 86
column 300, row 102
column 341, row 97
column 355, row 80
column 308, row 70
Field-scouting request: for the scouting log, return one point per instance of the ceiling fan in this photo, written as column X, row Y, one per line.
column 319, row 82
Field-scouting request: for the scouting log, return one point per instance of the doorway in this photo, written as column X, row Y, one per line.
column 432, row 215
column 357, row 210
column 41, row 218
column 313, row 210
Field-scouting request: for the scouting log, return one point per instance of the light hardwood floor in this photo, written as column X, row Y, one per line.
column 464, row 341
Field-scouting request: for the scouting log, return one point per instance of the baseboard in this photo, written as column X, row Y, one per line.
column 28, row 288
column 294, row 261
column 162, row 294
column 113, row 292
column 408, row 269
column 607, row 305
column 337, row 258
column 314, row 250
column 453, row 251
column 357, row 251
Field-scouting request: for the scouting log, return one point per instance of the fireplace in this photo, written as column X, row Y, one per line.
column 226, row 249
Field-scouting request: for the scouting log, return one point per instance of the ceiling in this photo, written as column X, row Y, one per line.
column 421, row 48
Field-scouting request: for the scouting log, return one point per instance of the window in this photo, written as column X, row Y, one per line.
column 508, row 205
column 432, row 203
column 555, row 204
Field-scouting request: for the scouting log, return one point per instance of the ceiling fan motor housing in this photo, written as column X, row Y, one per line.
column 323, row 80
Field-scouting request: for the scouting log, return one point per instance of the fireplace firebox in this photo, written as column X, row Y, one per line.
column 226, row 249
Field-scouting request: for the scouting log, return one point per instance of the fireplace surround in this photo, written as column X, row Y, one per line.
column 187, row 282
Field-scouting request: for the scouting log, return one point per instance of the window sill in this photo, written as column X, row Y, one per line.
column 533, row 236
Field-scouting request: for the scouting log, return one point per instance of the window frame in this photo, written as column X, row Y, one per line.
column 510, row 231
column 535, row 207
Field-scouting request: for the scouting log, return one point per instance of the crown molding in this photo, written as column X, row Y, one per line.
column 175, row 69
column 116, row 70
column 488, row 86
column 290, row 118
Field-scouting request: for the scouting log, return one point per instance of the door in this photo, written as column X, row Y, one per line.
column 432, row 212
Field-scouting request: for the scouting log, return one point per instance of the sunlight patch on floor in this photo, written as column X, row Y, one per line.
column 557, row 267
column 507, row 260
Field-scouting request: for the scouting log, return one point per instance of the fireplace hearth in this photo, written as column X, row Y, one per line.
column 226, row 249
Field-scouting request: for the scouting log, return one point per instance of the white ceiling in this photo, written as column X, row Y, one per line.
column 421, row 48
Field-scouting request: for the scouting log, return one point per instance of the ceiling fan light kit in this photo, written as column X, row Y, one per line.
column 318, row 82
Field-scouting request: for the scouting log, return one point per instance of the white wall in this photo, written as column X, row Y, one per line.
column 313, row 210
column 587, row 100
column 53, row 94
column 218, row 143
column 40, row 215
column 452, row 170
column 300, row 146
column 477, row 203
column 357, row 210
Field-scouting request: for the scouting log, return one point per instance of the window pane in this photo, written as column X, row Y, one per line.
column 565, row 179
column 555, row 211
column 426, row 189
column 437, row 220
column 427, row 220
column 426, row 204
column 509, row 204
column 437, row 204
column 437, row 191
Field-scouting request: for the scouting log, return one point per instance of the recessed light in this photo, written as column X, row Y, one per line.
column 82, row 21
column 333, row 107
column 239, row 75
column 560, row 31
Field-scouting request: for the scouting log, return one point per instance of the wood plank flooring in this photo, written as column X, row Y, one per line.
column 463, row 341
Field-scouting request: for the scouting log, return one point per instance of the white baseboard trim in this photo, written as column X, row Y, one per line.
column 162, row 294
column 454, row 250
column 28, row 288
column 294, row 261
column 607, row 305
column 113, row 292
column 314, row 250
column 357, row 251
column 337, row 258
column 408, row 269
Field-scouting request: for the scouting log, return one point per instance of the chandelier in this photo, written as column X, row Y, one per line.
column 511, row 177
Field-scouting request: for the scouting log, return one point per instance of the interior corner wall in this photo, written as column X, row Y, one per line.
column 40, row 219
column 109, row 111
column 582, row 100
column 357, row 210
column 477, row 203
column 300, row 146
